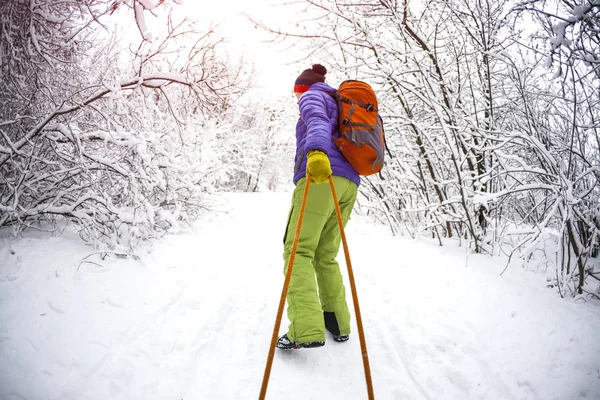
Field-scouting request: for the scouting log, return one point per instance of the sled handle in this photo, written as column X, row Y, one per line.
column 361, row 332
column 286, row 284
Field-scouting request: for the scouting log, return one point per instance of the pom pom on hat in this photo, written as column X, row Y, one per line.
column 309, row 77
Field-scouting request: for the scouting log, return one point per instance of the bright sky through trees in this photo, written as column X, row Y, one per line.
column 273, row 62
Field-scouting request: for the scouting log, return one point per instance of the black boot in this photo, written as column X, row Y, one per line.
column 332, row 326
column 284, row 343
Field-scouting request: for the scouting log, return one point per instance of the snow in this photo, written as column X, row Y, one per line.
column 149, row 4
column 140, row 19
column 192, row 319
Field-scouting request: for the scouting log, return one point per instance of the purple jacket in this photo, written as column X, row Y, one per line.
column 316, row 129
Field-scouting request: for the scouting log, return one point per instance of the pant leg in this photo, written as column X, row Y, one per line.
column 332, row 292
column 304, row 308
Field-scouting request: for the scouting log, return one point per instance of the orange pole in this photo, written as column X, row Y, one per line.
column 286, row 284
column 361, row 333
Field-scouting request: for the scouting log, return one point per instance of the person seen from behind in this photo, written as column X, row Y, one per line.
column 316, row 296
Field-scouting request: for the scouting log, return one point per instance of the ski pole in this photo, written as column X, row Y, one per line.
column 361, row 333
column 286, row 284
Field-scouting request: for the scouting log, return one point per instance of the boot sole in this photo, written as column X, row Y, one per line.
column 296, row 346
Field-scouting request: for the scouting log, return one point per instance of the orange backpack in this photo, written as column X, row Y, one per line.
column 361, row 140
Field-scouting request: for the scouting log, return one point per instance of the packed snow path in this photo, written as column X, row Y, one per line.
column 193, row 320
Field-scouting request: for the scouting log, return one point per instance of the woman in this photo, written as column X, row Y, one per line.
column 312, row 308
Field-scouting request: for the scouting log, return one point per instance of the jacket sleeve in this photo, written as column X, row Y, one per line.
column 319, row 127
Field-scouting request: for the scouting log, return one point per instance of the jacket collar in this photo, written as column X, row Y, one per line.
column 322, row 87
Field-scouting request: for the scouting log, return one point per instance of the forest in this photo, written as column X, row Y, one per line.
column 121, row 118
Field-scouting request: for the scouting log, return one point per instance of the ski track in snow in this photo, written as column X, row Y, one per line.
column 193, row 320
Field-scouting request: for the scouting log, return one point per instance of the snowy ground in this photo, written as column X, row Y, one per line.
column 193, row 320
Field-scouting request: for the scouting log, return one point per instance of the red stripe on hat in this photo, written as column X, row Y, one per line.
column 301, row 88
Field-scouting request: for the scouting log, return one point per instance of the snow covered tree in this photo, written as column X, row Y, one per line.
column 562, row 132
column 435, row 79
column 103, row 130
column 487, row 145
column 256, row 137
column 571, row 29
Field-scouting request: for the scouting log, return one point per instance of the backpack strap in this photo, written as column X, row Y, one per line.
column 369, row 107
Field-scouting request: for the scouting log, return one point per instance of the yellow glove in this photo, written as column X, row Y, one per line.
column 318, row 166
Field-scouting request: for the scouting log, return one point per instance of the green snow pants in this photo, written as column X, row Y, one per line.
column 318, row 247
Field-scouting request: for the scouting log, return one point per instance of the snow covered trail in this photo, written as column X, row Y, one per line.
column 193, row 320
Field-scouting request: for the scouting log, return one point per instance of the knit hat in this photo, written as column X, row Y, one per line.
column 308, row 77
